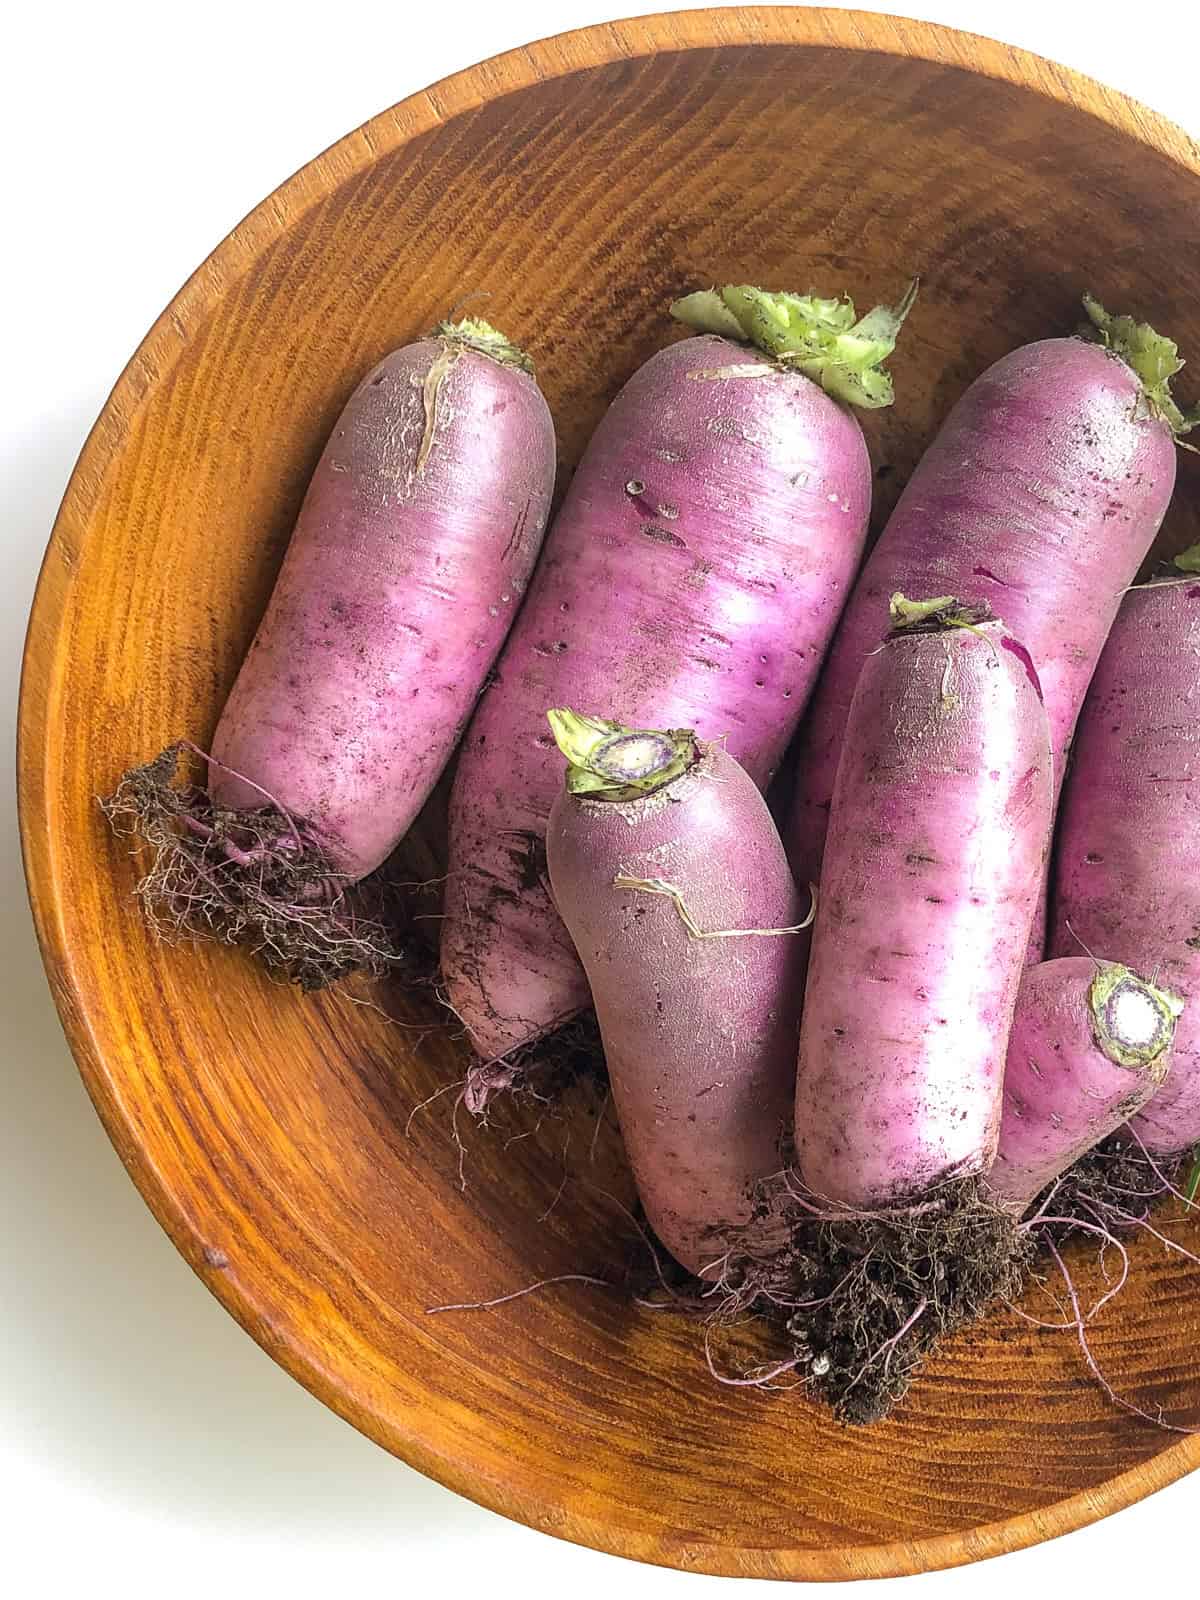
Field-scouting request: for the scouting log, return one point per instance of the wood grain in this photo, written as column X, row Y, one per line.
column 581, row 182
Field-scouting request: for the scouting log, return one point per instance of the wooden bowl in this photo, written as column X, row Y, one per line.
column 583, row 182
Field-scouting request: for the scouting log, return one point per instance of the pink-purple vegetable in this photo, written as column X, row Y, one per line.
column 693, row 578
column 669, row 873
column 1127, row 867
column 408, row 563
column 1090, row 1044
column 1040, row 496
column 938, row 833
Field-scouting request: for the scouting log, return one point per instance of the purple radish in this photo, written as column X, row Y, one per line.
column 407, row 565
column 673, row 882
column 1090, row 1045
column 938, row 834
column 692, row 578
column 1127, row 867
column 1040, row 497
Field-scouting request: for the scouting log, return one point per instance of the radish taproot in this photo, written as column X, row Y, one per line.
column 1040, row 496
column 1127, row 864
column 671, row 878
column 1090, row 1045
column 938, row 833
column 408, row 562
column 692, row 578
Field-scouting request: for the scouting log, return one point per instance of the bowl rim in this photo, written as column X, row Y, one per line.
column 516, row 69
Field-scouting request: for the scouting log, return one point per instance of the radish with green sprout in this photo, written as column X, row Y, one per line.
column 938, row 835
column 1127, row 867
column 1041, row 497
column 692, row 578
column 1090, row 1045
column 407, row 565
column 670, row 875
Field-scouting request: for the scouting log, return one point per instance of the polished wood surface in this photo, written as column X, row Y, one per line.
column 581, row 183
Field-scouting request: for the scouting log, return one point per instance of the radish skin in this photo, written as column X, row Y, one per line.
column 678, row 896
column 692, row 578
column 401, row 580
column 937, row 839
column 1127, row 867
column 1040, row 497
column 1090, row 1045
column 408, row 562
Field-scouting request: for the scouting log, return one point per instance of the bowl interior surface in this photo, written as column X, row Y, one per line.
column 582, row 186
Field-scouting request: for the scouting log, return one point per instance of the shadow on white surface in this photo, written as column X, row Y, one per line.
column 117, row 1365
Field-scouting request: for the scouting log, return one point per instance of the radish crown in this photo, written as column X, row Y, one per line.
column 804, row 333
column 935, row 616
column 473, row 333
column 1153, row 358
column 1133, row 1021
column 1188, row 560
column 606, row 761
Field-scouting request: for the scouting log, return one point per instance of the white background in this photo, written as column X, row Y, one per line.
column 147, row 1446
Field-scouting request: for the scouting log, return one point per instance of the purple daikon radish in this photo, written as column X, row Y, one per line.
column 693, row 578
column 413, row 547
column 1090, row 1045
column 938, row 835
column 671, row 877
